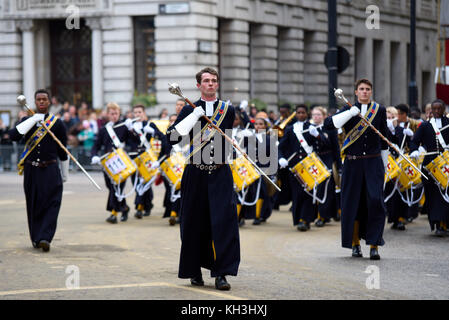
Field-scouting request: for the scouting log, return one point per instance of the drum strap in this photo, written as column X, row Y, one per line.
column 143, row 140
column 360, row 128
column 438, row 133
column 112, row 134
column 207, row 132
column 34, row 140
column 297, row 129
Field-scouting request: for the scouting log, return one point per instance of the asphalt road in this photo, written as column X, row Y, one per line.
column 138, row 259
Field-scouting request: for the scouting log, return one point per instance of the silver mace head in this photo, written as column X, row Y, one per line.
column 175, row 89
column 22, row 100
column 338, row 93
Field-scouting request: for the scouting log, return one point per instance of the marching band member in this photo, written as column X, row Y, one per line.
column 209, row 227
column 294, row 141
column 145, row 130
column 366, row 155
column 42, row 178
column 432, row 139
column 409, row 127
column 265, row 202
column 107, row 139
column 327, row 148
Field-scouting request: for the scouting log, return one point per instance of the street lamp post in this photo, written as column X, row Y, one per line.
column 412, row 87
column 332, row 51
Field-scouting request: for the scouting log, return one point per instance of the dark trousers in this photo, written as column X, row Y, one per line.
column 43, row 193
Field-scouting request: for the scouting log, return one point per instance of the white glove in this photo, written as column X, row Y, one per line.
column 155, row 165
column 199, row 112
column 188, row 122
column 341, row 118
column 148, row 129
column 390, row 125
column 245, row 133
column 422, row 150
column 408, row 132
column 414, row 154
column 354, row 111
column 283, row 163
column 65, row 170
column 26, row 125
column 314, row 131
column 129, row 124
column 243, row 105
column 95, row 160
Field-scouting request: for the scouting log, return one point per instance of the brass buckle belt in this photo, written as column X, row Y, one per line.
column 208, row 167
column 350, row 157
column 41, row 164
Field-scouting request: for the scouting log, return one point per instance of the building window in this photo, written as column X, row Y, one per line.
column 144, row 55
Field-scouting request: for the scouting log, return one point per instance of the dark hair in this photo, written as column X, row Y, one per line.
column 205, row 70
column 438, row 101
column 42, row 91
column 403, row 108
column 285, row 106
column 365, row 81
column 415, row 113
column 303, row 106
column 141, row 106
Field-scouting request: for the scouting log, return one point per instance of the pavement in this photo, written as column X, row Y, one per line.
column 138, row 259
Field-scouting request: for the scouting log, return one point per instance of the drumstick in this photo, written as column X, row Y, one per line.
column 123, row 123
column 22, row 101
column 317, row 127
column 403, row 138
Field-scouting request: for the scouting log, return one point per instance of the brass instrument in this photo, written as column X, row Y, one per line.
column 282, row 126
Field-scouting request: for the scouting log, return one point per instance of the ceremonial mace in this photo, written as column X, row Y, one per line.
column 339, row 95
column 23, row 102
column 175, row 89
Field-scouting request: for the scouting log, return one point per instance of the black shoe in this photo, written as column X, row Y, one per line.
column 303, row 226
column 147, row 213
column 172, row 221
column 263, row 220
column 34, row 245
column 337, row 218
column 374, row 254
column 400, row 226
column 440, row 232
column 112, row 219
column 124, row 216
column 357, row 251
column 319, row 223
column 256, row 222
column 197, row 281
column 241, row 222
column 221, row 283
column 45, row 245
column 410, row 220
column 138, row 214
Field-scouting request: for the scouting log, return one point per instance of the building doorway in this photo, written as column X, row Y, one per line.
column 71, row 62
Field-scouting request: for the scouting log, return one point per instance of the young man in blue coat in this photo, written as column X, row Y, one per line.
column 363, row 210
column 209, row 226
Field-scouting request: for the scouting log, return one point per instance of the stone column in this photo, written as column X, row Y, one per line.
column 97, row 62
column 264, row 64
column 234, row 60
column 28, row 64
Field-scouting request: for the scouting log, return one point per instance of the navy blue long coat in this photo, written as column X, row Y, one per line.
column 362, row 195
column 209, row 224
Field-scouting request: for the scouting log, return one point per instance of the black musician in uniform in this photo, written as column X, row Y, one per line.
column 42, row 177
column 294, row 141
column 436, row 207
column 105, row 143
column 363, row 210
column 209, row 227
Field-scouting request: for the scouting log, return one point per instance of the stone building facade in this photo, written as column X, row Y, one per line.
column 272, row 50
